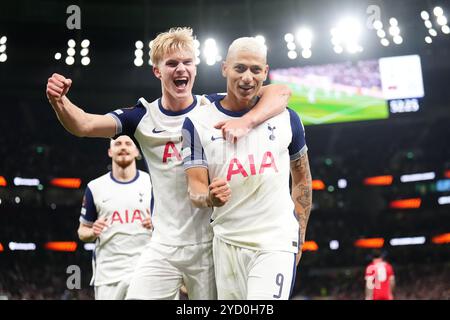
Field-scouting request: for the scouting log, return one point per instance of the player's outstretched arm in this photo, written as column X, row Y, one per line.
column 273, row 100
column 73, row 118
column 301, row 195
column 203, row 195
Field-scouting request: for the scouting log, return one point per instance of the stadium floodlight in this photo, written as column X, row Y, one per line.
column 398, row 39
column 139, row 44
column 84, row 52
column 2, row 48
column 438, row 11
column 347, row 33
column 18, row 181
column 58, row 56
column 445, row 29
column 384, row 42
column 394, row 31
column 85, row 61
column 3, row 57
column 138, row 62
column 289, row 37
column 428, row 39
column 304, row 37
column 425, row 15
column 441, row 20
column 378, row 25
column 70, row 60
column 138, row 53
column 3, row 40
column 292, row 54
column 428, row 24
column 196, row 43
column 71, row 52
column 393, row 22
column 381, row 33
column 334, row 244
column 85, row 43
column 260, row 39
column 432, row 32
column 197, row 60
column 17, row 199
column 306, row 53
column 338, row 49
column 150, row 44
column 210, row 51
column 291, row 46
column 71, row 43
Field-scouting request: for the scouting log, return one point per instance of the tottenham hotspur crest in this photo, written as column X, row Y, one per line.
column 271, row 129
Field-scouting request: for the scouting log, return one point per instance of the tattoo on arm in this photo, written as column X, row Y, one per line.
column 302, row 192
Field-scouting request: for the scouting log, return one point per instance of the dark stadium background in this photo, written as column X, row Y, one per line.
column 34, row 145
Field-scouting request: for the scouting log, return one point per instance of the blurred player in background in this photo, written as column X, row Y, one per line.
column 379, row 278
column 181, row 246
column 116, row 215
column 256, row 233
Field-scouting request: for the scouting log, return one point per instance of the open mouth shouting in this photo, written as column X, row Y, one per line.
column 181, row 83
column 246, row 89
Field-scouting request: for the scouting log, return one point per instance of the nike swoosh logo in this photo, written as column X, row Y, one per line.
column 157, row 131
column 215, row 138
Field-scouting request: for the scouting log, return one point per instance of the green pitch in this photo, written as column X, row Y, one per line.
column 323, row 107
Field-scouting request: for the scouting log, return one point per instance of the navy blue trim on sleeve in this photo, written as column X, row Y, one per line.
column 297, row 147
column 88, row 211
column 128, row 119
column 192, row 149
column 213, row 97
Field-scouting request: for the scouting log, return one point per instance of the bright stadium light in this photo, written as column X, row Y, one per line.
column 445, row 29
column 407, row 241
column 394, row 31
column 444, row 200
column 393, row 22
column 306, row 53
column 291, row 45
column 150, row 44
column 85, row 61
column 428, row 39
column 58, row 56
column 71, row 43
column 377, row 24
column 85, row 43
column 381, row 33
column 84, row 52
column 71, row 52
column 138, row 53
column 438, row 11
column 2, row 48
column 346, row 34
column 289, row 37
column 3, row 57
column 292, row 54
column 139, row 44
column 260, row 39
column 425, row 15
column 334, row 244
column 338, row 49
column 17, row 199
column 138, row 62
column 70, row 60
column 13, row 246
column 441, row 20
column 342, row 183
column 210, row 51
column 428, row 24
column 384, row 42
column 432, row 32
column 3, row 40
column 398, row 39
column 304, row 38
column 196, row 44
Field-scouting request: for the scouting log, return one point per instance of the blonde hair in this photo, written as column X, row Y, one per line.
column 179, row 38
column 250, row 44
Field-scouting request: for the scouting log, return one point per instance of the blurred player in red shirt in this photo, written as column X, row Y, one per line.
column 380, row 280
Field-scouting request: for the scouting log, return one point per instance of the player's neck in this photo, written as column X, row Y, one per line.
column 232, row 103
column 124, row 174
column 176, row 104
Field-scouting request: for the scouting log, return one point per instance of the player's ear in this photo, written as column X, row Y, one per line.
column 224, row 69
column 157, row 72
column 266, row 72
column 110, row 152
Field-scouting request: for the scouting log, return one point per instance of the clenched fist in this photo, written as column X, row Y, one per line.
column 219, row 192
column 57, row 87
